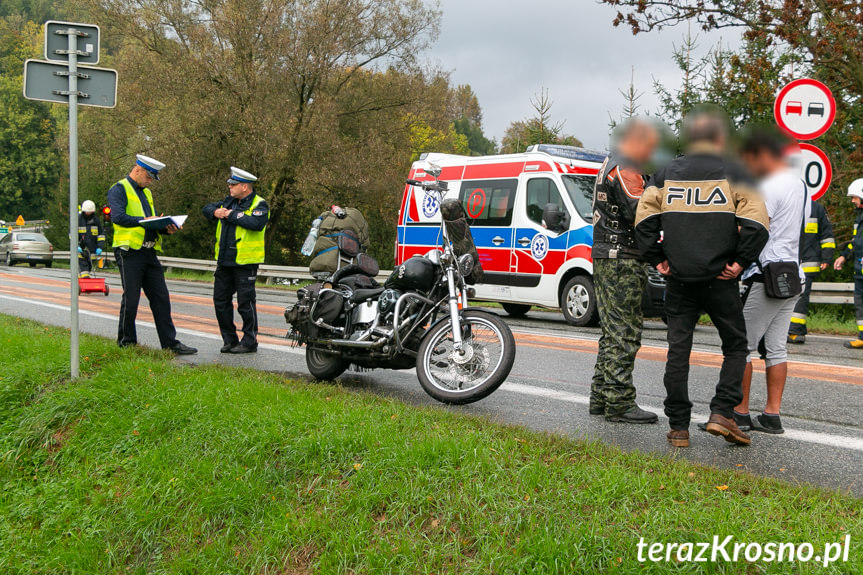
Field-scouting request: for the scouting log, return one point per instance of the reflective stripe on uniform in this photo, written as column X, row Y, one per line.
column 828, row 243
column 859, row 325
column 811, row 269
column 798, row 318
column 811, row 226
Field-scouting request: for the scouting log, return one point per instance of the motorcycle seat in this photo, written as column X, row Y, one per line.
column 362, row 295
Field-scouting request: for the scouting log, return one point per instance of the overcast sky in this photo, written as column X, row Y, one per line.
column 508, row 49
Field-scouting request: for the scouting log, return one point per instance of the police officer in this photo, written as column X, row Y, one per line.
column 135, row 250
column 619, row 273
column 91, row 236
column 816, row 252
column 854, row 250
column 242, row 221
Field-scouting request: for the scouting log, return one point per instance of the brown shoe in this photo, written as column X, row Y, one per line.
column 727, row 428
column 678, row 437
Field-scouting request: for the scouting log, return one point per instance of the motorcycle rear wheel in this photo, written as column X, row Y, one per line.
column 325, row 366
column 490, row 353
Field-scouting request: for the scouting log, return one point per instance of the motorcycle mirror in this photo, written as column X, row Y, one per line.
column 433, row 170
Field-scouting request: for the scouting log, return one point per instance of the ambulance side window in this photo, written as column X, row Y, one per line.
column 580, row 190
column 488, row 202
column 541, row 191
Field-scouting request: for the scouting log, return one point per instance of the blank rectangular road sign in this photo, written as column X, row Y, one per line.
column 55, row 42
column 43, row 80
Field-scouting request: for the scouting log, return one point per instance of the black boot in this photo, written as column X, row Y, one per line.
column 633, row 415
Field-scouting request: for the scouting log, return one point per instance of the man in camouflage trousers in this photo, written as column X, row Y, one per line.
column 619, row 274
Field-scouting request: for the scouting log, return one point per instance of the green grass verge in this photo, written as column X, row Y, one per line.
column 144, row 465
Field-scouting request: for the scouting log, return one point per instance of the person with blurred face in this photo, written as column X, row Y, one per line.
column 619, row 273
column 713, row 224
column 242, row 222
column 767, row 318
column 136, row 249
column 853, row 250
column 91, row 237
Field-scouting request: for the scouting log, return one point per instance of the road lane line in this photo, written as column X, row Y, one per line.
column 829, row 439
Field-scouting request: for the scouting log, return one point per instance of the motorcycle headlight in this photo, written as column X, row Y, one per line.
column 465, row 264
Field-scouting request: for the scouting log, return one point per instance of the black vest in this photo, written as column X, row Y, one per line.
column 613, row 234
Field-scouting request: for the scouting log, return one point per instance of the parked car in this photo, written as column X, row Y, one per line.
column 27, row 247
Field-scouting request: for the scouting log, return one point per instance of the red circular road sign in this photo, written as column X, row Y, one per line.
column 805, row 108
column 476, row 203
column 815, row 169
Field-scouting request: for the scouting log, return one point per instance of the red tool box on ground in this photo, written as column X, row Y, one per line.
column 92, row 285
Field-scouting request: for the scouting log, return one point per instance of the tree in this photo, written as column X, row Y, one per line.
column 303, row 93
column 540, row 129
column 30, row 165
column 465, row 112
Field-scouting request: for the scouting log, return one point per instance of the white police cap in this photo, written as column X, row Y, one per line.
column 239, row 176
column 149, row 164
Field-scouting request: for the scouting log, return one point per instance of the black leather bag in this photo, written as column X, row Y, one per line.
column 782, row 280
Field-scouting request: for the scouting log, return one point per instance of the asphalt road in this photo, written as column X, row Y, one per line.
column 549, row 384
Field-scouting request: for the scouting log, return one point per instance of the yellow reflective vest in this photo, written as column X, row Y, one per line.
column 134, row 237
column 250, row 243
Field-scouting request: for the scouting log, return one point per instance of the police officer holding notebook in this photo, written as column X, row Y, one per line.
column 242, row 222
column 135, row 249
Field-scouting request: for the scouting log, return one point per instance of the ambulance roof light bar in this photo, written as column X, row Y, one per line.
column 569, row 152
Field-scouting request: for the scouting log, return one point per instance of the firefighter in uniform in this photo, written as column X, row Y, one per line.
column 242, row 222
column 854, row 250
column 619, row 274
column 91, row 236
column 135, row 250
column 816, row 252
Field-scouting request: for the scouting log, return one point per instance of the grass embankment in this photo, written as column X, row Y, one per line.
column 144, row 465
column 832, row 319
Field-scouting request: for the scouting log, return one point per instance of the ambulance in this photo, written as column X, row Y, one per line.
column 507, row 198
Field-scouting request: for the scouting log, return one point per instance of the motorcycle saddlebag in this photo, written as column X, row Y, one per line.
column 328, row 306
column 458, row 230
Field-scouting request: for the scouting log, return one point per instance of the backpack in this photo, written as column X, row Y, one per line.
column 325, row 256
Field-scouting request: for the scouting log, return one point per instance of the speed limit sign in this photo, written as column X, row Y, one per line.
column 815, row 170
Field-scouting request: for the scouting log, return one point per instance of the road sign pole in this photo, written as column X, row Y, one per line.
column 73, row 198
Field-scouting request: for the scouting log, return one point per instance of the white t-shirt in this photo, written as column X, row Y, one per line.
column 785, row 195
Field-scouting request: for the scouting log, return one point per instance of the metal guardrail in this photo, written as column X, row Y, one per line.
column 266, row 271
column 822, row 292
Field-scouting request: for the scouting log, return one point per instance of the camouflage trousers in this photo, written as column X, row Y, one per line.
column 620, row 285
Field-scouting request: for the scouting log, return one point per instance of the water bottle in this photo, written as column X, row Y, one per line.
column 309, row 244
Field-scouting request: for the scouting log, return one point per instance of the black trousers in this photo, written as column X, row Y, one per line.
column 84, row 263
column 240, row 280
column 141, row 269
column 684, row 303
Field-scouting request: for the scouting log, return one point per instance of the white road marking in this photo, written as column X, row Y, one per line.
column 829, row 439
column 841, row 441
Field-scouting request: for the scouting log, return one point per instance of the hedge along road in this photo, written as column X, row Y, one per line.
column 547, row 389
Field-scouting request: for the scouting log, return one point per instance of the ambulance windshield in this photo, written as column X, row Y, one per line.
column 580, row 190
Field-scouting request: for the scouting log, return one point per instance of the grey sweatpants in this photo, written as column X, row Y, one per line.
column 767, row 318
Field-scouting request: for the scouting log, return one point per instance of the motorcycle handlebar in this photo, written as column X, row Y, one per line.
column 429, row 186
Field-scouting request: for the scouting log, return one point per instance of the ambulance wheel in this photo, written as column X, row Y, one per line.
column 516, row 309
column 578, row 302
column 325, row 366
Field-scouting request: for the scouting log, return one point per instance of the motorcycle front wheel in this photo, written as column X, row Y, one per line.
column 325, row 366
column 477, row 370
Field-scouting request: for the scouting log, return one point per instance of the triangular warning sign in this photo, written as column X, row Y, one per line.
column 19, row 221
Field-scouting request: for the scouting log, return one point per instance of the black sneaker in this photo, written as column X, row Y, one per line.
column 744, row 422
column 796, row 338
column 181, row 348
column 243, row 349
column 227, row 347
column 768, row 424
column 634, row 415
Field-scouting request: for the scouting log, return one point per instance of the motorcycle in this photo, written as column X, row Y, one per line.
column 419, row 318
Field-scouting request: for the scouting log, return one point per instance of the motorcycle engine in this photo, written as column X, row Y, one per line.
column 387, row 304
